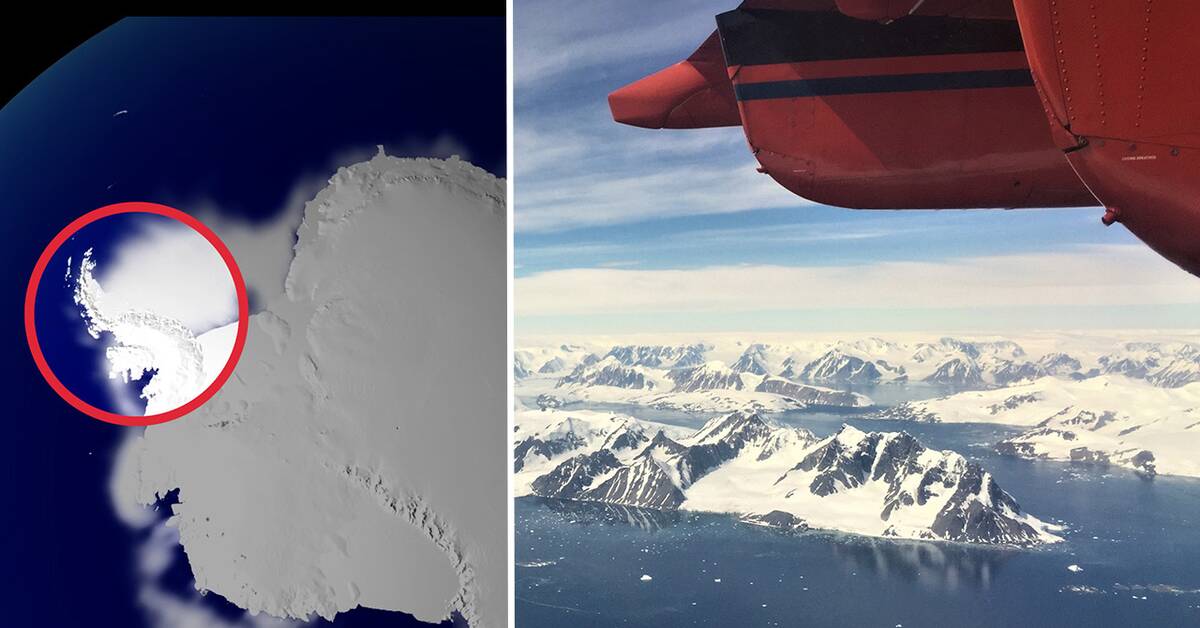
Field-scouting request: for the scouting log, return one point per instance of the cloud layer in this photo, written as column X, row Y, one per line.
column 1092, row 276
column 575, row 166
column 170, row 270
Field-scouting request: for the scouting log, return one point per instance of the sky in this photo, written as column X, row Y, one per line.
column 627, row 230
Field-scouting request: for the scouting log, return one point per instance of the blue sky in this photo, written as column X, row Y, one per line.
column 603, row 210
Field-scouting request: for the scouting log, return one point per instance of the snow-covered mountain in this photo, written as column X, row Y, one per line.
column 1168, row 365
column 659, row 356
column 1059, row 364
column 715, row 401
column 1061, row 386
column 837, row 367
column 811, row 395
column 550, row 360
column 584, row 513
column 707, row 376
column 962, row 372
column 519, row 370
column 706, row 387
column 964, row 363
column 610, row 372
column 754, row 360
column 544, row 438
column 881, row 484
column 553, row 365
column 1111, row 419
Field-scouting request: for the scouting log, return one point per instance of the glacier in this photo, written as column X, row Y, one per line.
column 871, row 483
column 351, row 460
column 1108, row 419
column 185, row 348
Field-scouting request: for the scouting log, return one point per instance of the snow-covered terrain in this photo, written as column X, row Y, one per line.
column 724, row 372
column 623, row 376
column 351, row 460
column 967, row 362
column 880, row 484
column 1110, row 419
column 1125, row 399
column 544, row 438
column 714, row 400
column 183, row 347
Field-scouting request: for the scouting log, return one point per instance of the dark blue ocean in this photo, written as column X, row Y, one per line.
column 76, row 358
column 225, row 113
column 581, row 564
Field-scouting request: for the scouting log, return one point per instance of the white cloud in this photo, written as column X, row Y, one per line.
column 156, row 552
column 787, row 234
column 575, row 166
column 558, row 144
column 535, row 150
column 602, row 199
column 263, row 249
column 122, row 493
column 170, row 270
column 573, row 173
column 1092, row 276
column 443, row 146
column 552, row 37
column 632, row 252
column 168, row 610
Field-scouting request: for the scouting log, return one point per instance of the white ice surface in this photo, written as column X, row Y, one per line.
column 749, row 484
column 593, row 429
column 1164, row 421
column 149, row 333
column 170, row 269
column 762, row 478
column 352, row 458
column 920, row 354
column 714, row 401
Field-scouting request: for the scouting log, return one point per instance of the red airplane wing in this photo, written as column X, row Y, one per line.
column 927, row 111
column 692, row 94
column 933, row 104
column 1119, row 82
column 884, row 10
column 696, row 92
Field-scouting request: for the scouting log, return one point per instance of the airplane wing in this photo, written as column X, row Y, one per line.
column 885, row 10
column 1118, row 80
column 692, row 94
column 939, row 104
column 957, row 103
column 923, row 111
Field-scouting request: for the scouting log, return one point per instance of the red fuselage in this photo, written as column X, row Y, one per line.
column 860, row 104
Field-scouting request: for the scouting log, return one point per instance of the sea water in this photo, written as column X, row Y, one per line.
column 1133, row 543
